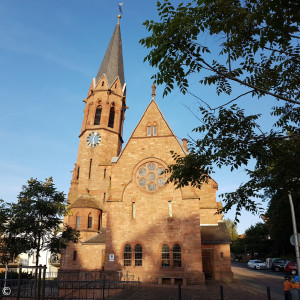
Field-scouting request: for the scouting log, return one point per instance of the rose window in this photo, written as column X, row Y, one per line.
column 151, row 176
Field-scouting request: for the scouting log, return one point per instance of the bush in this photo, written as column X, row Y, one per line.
column 15, row 275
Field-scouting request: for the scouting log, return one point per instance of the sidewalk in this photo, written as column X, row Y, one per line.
column 210, row 291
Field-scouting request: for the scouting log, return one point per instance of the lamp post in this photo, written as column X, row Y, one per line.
column 295, row 231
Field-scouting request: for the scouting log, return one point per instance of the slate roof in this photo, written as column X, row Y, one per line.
column 112, row 64
column 217, row 234
column 85, row 201
column 99, row 238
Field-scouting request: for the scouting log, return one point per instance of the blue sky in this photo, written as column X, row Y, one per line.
column 49, row 53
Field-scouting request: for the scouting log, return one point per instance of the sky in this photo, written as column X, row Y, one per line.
column 49, row 53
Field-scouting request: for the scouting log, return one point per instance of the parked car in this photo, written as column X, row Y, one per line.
column 279, row 264
column 291, row 267
column 269, row 261
column 256, row 264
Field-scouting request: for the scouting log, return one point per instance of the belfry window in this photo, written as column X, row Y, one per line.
column 138, row 255
column 111, row 117
column 98, row 115
column 176, row 255
column 165, row 256
column 127, row 255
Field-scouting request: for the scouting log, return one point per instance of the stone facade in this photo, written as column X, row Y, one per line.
column 129, row 218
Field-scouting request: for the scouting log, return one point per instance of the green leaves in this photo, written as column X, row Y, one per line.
column 261, row 48
column 258, row 49
column 34, row 221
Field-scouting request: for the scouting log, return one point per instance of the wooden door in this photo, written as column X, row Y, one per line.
column 208, row 263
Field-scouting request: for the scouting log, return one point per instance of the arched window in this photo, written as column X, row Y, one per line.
column 127, row 255
column 90, row 221
column 98, row 115
column 165, row 256
column 149, row 130
column 138, row 255
column 154, row 130
column 176, row 255
column 111, row 117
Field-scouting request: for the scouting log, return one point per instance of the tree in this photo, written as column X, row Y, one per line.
column 34, row 222
column 278, row 217
column 231, row 227
column 259, row 51
column 256, row 240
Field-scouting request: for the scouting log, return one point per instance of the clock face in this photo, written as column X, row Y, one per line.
column 93, row 139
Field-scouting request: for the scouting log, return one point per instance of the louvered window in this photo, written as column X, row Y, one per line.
column 98, row 115
column 111, row 117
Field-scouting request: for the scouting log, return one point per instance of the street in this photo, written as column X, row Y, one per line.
column 260, row 279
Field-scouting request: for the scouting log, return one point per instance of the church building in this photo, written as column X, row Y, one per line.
column 130, row 220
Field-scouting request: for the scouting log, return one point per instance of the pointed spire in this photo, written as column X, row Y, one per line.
column 112, row 64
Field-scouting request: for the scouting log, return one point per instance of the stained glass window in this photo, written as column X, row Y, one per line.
column 151, row 176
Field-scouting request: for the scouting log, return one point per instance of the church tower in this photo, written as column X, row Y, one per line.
column 100, row 141
column 102, row 126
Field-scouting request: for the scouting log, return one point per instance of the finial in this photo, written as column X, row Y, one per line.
column 119, row 17
column 153, row 91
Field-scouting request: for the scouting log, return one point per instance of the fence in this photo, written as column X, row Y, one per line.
column 69, row 289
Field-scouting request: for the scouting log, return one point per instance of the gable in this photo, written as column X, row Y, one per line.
column 152, row 117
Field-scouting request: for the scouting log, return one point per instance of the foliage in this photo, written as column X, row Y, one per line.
column 259, row 50
column 231, row 227
column 15, row 275
column 256, row 240
column 278, row 217
column 258, row 45
column 35, row 220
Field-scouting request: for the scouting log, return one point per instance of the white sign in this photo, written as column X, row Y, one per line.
column 111, row 257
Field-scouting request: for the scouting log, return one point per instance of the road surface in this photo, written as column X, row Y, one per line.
column 260, row 279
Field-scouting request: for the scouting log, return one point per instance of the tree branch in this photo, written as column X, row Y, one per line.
column 199, row 99
column 233, row 99
column 282, row 52
column 226, row 75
